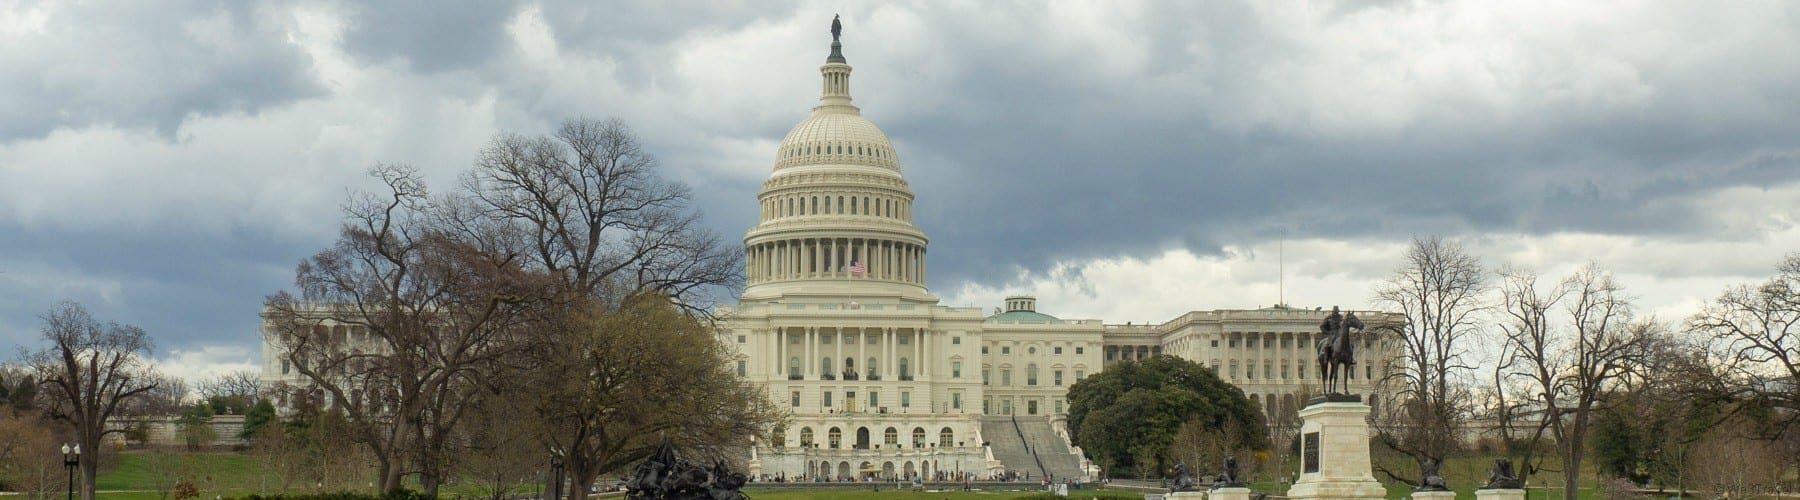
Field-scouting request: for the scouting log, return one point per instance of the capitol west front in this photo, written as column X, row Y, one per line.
column 882, row 381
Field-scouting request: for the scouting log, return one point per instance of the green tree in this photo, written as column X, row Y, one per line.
column 1128, row 416
column 195, row 425
column 260, row 416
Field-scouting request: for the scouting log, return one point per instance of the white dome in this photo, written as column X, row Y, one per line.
column 836, row 137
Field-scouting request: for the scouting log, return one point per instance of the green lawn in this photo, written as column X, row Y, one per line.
column 156, row 471
column 947, row 495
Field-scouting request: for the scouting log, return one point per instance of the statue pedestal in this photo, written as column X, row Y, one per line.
column 1497, row 494
column 1185, row 495
column 1229, row 494
column 1434, row 495
column 1334, row 460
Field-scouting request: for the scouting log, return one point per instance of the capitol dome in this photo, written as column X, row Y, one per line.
column 836, row 215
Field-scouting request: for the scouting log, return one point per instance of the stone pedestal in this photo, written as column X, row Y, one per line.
column 1500, row 494
column 1334, row 460
column 1229, row 494
column 1434, row 495
column 1185, row 495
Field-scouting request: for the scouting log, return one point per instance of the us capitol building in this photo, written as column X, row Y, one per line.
column 882, row 381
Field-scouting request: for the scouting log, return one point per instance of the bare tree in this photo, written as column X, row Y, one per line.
column 1438, row 288
column 28, row 456
column 400, row 322
column 89, row 371
column 1570, row 367
column 598, row 218
column 1758, row 330
column 231, row 393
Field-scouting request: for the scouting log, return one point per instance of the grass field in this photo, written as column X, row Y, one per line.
column 924, row 495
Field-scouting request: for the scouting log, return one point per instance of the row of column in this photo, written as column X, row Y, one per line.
column 811, row 352
column 832, row 258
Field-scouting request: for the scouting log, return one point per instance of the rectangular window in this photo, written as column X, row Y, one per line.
column 1268, row 370
column 984, row 349
column 1300, row 371
column 741, row 339
column 956, row 400
column 1369, row 372
column 1234, row 343
column 1059, row 350
column 793, row 339
column 1031, row 376
column 955, row 369
column 984, row 376
column 827, row 399
column 796, row 398
column 904, row 339
column 1006, row 378
column 1079, row 375
column 1284, row 370
column 740, row 368
column 1058, row 377
column 1234, row 370
column 1249, row 370
column 905, row 399
column 825, row 339
column 1268, row 343
column 874, row 400
column 1059, row 406
column 1215, row 343
column 870, row 339
column 1284, row 342
column 1005, row 350
column 956, row 340
column 1078, row 350
column 284, row 367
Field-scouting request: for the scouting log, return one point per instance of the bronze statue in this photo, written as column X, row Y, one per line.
column 663, row 476
column 1429, row 480
column 1229, row 478
column 837, row 28
column 1183, row 481
column 1501, row 477
column 1337, row 354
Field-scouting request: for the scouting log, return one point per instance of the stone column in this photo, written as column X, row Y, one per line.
column 1334, row 460
column 862, row 349
column 837, row 360
column 1499, row 494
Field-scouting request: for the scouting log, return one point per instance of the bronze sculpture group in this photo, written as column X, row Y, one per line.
column 664, row 476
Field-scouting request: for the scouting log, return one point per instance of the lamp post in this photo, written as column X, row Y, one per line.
column 71, row 457
column 556, row 474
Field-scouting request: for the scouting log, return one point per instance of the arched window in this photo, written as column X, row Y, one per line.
column 815, row 204
column 891, row 437
column 918, row 437
column 852, row 205
column 834, row 438
column 903, row 372
column 840, row 205
column 871, row 368
column 825, row 366
column 794, row 366
column 806, row 437
column 946, row 438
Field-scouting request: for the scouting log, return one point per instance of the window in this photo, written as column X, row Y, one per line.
column 1031, row 374
column 984, row 376
column 1058, row 351
column 946, row 438
column 904, row 339
column 1234, row 342
column 1284, row 369
column 1032, row 350
column 1268, row 342
column 1268, row 370
column 740, row 368
column 1078, row 350
column 793, row 368
column 1058, row 376
column 890, row 437
column 870, row 338
column 956, row 340
column 1284, row 342
column 1249, row 369
column 1079, row 375
column 825, row 339
column 285, row 367
column 740, row 339
column 836, row 436
column 806, row 437
column 1006, row 377
column 1005, row 349
column 903, row 373
column 1300, row 370
column 793, row 339
column 827, row 399
column 778, row 438
column 956, row 400
column 1031, row 407
column 874, row 400
column 1059, row 406
column 795, row 398
column 918, row 435
column 955, row 369
column 984, row 349
column 905, row 399
column 1215, row 343
column 1369, row 372
column 1234, row 369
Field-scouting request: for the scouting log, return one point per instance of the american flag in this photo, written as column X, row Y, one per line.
column 857, row 267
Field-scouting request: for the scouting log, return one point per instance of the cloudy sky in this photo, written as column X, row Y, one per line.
column 168, row 164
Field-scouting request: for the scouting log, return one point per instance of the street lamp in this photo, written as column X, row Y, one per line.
column 556, row 473
column 71, row 458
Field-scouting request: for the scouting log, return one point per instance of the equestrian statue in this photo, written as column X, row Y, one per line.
column 1337, row 354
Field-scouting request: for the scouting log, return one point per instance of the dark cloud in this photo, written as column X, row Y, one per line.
column 144, row 65
column 1032, row 134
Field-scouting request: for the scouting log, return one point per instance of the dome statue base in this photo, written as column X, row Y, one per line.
column 1334, row 460
column 1498, row 494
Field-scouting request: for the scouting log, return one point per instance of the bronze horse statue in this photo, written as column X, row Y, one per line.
column 1337, row 355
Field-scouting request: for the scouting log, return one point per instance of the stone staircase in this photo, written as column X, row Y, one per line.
column 1030, row 445
column 1052, row 451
